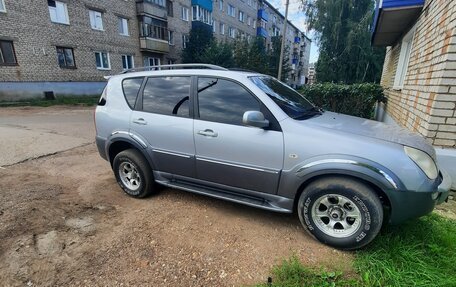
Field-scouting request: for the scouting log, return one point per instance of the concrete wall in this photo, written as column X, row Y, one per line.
column 17, row 91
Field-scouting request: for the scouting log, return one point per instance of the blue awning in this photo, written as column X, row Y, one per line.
column 392, row 19
column 206, row 4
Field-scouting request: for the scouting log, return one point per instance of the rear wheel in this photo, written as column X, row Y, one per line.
column 341, row 212
column 133, row 173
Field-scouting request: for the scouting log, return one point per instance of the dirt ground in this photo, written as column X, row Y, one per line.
column 64, row 221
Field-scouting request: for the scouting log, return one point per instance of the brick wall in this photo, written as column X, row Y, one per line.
column 426, row 103
column 35, row 37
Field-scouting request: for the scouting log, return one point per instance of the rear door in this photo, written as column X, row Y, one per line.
column 162, row 117
column 227, row 152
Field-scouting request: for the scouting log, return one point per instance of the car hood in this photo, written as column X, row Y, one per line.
column 372, row 129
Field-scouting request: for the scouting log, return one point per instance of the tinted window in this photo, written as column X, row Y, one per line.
column 290, row 101
column 167, row 96
column 131, row 88
column 224, row 101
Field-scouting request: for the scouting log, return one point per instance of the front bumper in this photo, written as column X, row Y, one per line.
column 444, row 187
column 412, row 204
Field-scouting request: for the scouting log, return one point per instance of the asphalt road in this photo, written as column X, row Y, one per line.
column 32, row 132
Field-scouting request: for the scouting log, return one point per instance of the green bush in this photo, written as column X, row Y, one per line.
column 356, row 100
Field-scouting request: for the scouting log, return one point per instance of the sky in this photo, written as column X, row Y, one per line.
column 297, row 17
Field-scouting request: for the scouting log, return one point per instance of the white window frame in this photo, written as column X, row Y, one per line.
column 214, row 28
column 155, row 62
column 222, row 28
column 61, row 13
column 249, row 20
column 125, row 56
column 241, row 16
column 2, row 6
column 231, row 11
column 221, row 5
column 123, row 22
column 171, row 37
column 101, row 61
column 96, row 20
column 232, row 32
column 184, row 13
column 404, row 58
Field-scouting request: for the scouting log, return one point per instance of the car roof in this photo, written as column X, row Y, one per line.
column 190, row 72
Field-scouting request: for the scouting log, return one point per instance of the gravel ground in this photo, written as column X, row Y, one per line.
column 64, row 221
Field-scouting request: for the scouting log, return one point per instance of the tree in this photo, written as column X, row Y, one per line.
column 200, row 38
column 342, row 28
column 251, row 56
column 274, row 58
column 218, row 53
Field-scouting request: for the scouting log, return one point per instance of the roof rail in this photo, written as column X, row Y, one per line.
column 242, row 70
column 171, row 66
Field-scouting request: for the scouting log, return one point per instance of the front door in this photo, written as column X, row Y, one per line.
column 227, row 152
column 162, row 118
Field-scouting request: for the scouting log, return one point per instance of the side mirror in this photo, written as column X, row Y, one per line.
column 255, row 119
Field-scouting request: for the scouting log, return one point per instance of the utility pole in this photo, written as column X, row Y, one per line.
column 282, row 46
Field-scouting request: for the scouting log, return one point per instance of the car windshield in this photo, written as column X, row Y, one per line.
column 290, row 101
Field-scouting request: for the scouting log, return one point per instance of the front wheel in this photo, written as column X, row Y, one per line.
column 341, row 212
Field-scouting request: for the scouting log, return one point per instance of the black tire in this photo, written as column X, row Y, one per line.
column 339, row 229
column 143, row 176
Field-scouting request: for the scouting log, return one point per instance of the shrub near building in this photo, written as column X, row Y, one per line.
column 356, row 100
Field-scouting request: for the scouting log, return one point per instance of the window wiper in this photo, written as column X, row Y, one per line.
column 309, row 113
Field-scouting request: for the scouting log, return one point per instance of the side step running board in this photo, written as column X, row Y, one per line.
column 225, row 195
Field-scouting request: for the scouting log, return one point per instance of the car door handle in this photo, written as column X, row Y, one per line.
column 208, row 133
column 140, row 121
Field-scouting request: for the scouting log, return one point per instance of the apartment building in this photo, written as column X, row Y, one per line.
column 311, row 74
column 68, row 47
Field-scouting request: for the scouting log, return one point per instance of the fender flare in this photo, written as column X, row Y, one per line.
column 135, row 142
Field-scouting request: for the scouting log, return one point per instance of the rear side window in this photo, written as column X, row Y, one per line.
column 224, row 101
column 131, row 89
column 167, row 96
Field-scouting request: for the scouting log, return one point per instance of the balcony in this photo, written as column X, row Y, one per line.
column 262, row 14
column 199, row 25
column 143, row 7
column 392, row 19
column 153, row 45
column 206, row 4
column 262, row 32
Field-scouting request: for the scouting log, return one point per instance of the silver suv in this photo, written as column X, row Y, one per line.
column 248, row 138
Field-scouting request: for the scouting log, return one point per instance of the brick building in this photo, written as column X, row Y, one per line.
column 67, row 47
column 419, row 72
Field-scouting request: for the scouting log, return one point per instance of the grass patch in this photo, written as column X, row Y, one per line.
column 421, row 252
column 291, row 273
column 71, row 101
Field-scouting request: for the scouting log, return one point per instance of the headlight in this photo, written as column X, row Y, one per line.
column 423, row 160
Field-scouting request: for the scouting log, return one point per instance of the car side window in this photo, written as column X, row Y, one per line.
column 167, row 96
column 131, row 88
column 224, row 101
